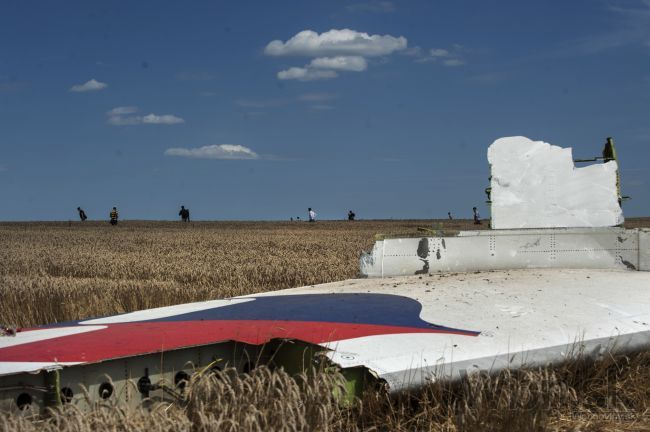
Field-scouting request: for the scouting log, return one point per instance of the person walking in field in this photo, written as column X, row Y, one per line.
column 450, row 216
column 351, row 215
column 184, row 214
column 82, row 214
column 311, row 214
column 113, row 215
column 477, row 217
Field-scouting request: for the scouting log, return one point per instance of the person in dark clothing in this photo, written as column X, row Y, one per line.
column 477, row 217
column 351, row 215
column 82, row 214
column 184, row 214
column 449, row 215
column 113, row 215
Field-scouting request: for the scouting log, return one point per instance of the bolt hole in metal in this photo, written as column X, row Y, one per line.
column 24, row 400
column 105, row 390
column 144, row 386
column 181, row 379
column 66, row 395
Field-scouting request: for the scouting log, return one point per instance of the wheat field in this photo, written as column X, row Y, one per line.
column 53, row 272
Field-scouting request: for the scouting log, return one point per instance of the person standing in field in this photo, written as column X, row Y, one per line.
column 82, row 214
column 477, row 217
column 312, row 215
column 113, row 215
column 184, row 214
column 351, row 215
column 449, row 215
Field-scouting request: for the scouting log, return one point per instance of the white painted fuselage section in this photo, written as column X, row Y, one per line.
column 561, row 248
column 536, row 185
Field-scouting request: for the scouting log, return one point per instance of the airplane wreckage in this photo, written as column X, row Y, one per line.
column 556, row 275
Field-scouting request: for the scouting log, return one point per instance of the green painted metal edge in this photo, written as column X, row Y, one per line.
column 300, row 357
column 52, row 397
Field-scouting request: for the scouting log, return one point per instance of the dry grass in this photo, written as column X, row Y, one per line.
column 610, row 394
column 57, row 271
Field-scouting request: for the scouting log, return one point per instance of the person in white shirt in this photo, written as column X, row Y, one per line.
column 312, row 215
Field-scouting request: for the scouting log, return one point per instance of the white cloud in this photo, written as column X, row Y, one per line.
column 343, row 63
column 438, row 52
column 332, row 52
column 215, row 151
column 306, row 74
column 92, row 85
column 324, row 68
column 124, row 121
column 447, row 57
column 122, row 111
column 122, row 116
column 343, row 42
column 162, row 119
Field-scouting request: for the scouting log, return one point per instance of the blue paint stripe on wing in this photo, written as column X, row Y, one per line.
column 356, row 308
column 348, row 308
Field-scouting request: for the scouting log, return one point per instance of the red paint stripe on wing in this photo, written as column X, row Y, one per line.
column 129, row 339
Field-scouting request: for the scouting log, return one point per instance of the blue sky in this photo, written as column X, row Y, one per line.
column 258, row 110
